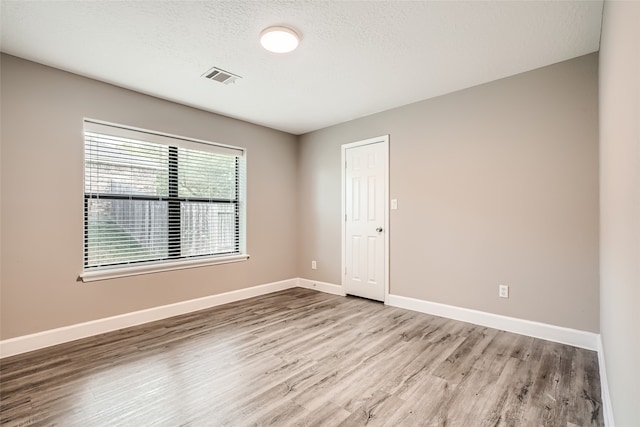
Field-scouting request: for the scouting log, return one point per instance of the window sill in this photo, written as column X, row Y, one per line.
column 112, row 273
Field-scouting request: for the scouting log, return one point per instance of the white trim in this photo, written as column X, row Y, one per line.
column 387, row 220
column 588, row 340
column 574, row 337
column 51, row 337
column 607, row 410
column 325, row 287
column 93, row 275
column 383, row 139
column 132, row 132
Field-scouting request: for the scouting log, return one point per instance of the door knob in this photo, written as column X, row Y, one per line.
column 379, row 229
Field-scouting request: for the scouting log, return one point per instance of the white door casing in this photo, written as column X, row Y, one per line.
column 365, row 213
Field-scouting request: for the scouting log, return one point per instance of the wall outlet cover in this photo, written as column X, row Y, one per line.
column 503, row 291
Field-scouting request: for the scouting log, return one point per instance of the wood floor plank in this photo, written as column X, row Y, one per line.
column 461, row 360
column 430, row 394
column 374, row 411
column 549, row 388
column 326, row 415
column 302, row 358
column 584, row 408
column 413, row 376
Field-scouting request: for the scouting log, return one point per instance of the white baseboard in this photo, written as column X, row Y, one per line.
column 607, row 410
column 582, row 339
column 574, row 337
column 51, row 337
column 328, row 288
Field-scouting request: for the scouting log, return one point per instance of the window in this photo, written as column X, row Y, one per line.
column 154, row 202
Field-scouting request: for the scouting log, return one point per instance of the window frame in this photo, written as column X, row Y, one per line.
column 174, row 259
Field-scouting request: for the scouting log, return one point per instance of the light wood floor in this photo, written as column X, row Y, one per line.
column 301, row 357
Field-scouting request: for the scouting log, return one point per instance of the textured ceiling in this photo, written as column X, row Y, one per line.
column 356, row 57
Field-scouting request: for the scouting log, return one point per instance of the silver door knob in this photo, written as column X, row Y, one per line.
column 379, row 229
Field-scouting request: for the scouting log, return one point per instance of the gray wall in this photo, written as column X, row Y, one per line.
column 620, row 206
column 495, row 184
column 42, row 175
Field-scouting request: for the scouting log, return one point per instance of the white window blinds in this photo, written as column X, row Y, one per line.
column 154, row 198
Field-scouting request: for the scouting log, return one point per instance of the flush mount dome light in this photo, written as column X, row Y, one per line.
column 279, row 39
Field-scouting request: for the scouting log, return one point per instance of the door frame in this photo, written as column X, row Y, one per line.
column 384, row 140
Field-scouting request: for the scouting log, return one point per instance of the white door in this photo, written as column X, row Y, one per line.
column 365, row 208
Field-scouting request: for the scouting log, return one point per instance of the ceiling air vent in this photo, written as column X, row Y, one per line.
column 221, row 76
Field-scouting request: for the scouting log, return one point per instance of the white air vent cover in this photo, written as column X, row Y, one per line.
column 221, row 76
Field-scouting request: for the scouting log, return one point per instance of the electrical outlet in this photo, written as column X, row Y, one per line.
column 313, row 265
column 503, row 291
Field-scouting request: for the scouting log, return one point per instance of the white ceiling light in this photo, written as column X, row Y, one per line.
column 279, row 39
